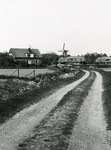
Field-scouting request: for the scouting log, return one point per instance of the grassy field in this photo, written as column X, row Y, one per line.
column 24, row 72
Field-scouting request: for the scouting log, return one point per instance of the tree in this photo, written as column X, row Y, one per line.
column 6, row 60
column 49, row 58
column 104, row 55
column 91, row 57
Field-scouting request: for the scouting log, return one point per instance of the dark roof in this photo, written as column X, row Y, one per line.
column 20, row 52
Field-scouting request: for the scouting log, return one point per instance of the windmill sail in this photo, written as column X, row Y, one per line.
column 64, row 52
column 63, row 46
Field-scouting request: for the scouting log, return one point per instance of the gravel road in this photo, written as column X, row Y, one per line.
column 90, row 133
column 22, row 124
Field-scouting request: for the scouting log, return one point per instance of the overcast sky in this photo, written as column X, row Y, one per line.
column 83, row 25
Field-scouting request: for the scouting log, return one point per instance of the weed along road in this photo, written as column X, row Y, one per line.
column 18, row 128
column 90, row 133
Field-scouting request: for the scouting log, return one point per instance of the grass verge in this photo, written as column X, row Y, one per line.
column 10, row 107
column 106, row 96
column 55, row 130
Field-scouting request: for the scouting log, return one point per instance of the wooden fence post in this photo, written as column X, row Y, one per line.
column 34, row 73
column 18, row 72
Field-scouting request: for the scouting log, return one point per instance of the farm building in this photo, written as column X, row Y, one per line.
column 31, row 56
column 103, row 60
column 72, row 59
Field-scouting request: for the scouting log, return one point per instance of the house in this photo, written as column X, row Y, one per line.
column 31, row 56
column 72, row 60
column 103, row 60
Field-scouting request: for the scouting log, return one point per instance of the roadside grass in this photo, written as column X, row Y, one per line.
column 106, row 96
column 55, row 130
column 10, row 107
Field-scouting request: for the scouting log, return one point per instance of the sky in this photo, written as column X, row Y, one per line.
column 83, row 25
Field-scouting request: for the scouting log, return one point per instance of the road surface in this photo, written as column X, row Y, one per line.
column 16, row 129
column 90, row 133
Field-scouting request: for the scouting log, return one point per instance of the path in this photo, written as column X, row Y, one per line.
column 90, row 132
column 21, row 125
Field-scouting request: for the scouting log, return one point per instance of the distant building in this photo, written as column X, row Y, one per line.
column 72, row 59
column 103, row 60
column 31, row 56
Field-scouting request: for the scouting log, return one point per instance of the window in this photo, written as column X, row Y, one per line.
column 10, row 54
column 28, row 55
column 32, row 55
column 35, row 55
column 107, row 59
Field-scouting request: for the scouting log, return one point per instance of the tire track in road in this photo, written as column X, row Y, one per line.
column 18, row 128
column 90, row 132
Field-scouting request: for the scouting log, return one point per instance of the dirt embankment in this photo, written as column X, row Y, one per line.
column 22, row 124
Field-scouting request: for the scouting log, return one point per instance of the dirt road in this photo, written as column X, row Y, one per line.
column 90, row 133
column 21, row 125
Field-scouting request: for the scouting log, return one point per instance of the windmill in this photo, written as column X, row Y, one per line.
column 64, row 52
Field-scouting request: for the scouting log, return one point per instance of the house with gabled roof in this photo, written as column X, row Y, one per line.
column 103, row 60
column 72, row 59
column 31, row 56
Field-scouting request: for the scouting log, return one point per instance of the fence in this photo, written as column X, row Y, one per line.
column 20, row 74
column 27, row 73
column 33, row 74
